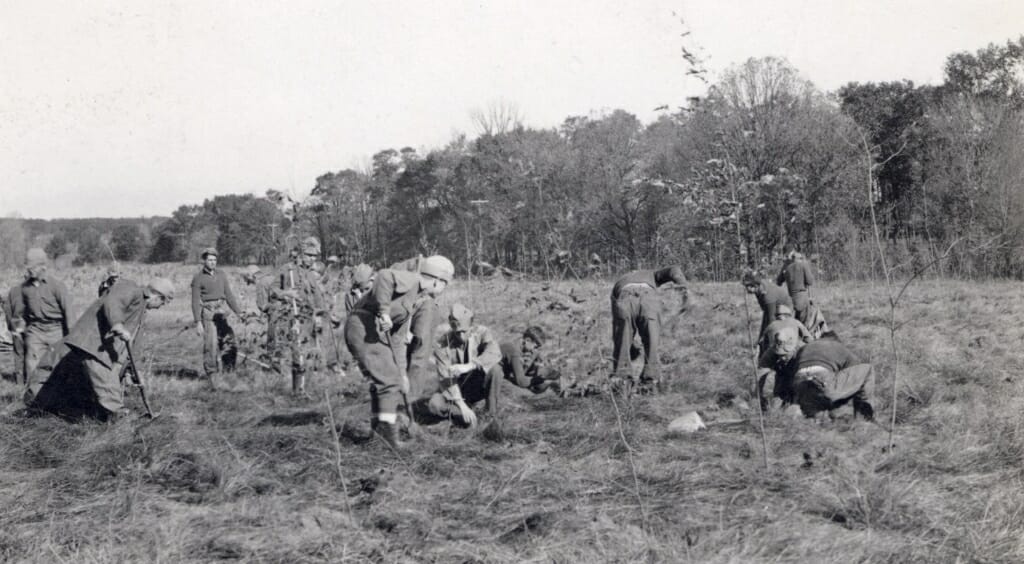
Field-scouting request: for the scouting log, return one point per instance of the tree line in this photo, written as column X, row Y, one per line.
column 763, row 161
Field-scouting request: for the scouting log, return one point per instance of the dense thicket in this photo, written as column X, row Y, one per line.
column 762, row 161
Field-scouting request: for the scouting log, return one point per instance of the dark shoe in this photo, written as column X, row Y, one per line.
column 864, row 409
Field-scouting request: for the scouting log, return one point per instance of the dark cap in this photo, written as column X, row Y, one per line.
column 535, row 333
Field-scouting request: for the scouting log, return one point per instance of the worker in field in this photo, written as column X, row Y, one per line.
column 362, row 280
column 113, row 275
column 769, row 296
column 40, row 310
column 81, row 378
column 212, row 298
column 523, row 364
column 798, row 276
column 6, row 337
column 388, row 330
column 465, row 357
column 636, row 308
column 300, row 311
column 776, row 349
column 824, row 374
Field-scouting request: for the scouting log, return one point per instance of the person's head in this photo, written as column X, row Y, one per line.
column 362, row 277
column 789, row 251
column 251, row 273
column 752, row 281
column 783, row 311
column 310, row 252
column 787, row 343
column 113, row 273
column 209, row 257
column 332, row 260
column 35, row 264
column 159, row 292
column 533, row 339
column 436, row 272
column 460, row 319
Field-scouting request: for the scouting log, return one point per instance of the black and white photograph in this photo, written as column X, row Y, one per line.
column 473, row 282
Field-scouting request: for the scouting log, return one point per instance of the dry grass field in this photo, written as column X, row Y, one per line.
column 248, row 473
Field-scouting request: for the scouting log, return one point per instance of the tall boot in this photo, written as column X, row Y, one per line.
column 389, row 432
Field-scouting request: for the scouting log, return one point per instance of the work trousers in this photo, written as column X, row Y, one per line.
column 18, row 356
column 821, row 390
column 475, row 386
column 219, row 347
column 80, row 385
column 801, row 304
column 377, row 360
column 38, row 339
column 636, row 310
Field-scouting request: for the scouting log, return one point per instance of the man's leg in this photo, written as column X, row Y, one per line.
column 106, row 386
column 856, row 383
column 377, row 363
column 211, row 364
column 800, row 306
column 624, row 311
column 649, row 325
column 18, row 350
column 37, row 341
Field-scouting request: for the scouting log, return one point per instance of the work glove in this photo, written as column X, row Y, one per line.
column 466, row 414
column 384, row 322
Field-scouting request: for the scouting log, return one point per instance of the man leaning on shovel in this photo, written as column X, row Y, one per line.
column 81, row 377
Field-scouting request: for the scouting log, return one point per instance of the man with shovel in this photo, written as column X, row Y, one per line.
column 400, row 303
column 81, row 377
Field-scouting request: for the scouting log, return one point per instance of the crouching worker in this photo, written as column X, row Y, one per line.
column 636, row 308
column 81, row 377
column 523, row 365
column 400, row 302
column 465, row 356
column 825, row 375
column 778, row 342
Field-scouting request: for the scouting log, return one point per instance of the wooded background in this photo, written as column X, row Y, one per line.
column 765, row 159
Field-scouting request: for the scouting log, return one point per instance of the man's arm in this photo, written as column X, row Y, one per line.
column 489, row 351
column 808, row 274
column 65, row 307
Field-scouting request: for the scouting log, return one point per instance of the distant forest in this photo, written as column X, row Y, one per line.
column 765, row 160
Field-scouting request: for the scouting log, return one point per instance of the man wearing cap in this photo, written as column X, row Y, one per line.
column 825, row 375
column 299, row 308
column 523, row 365
column 113, row 274
column 362, row 281
column 81, row 378
column 798, row 276
column 40, row 310
column 400, row 302
column 464, row 356
column 637, row 309
column 211, row 291
column 777, row 343
column 769, row 296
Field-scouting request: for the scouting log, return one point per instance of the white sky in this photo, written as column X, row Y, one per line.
column 133, row 108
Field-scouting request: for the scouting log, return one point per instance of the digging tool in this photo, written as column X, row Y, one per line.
column 137, row 379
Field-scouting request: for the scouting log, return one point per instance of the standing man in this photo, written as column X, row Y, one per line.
column 401, row 302
column 769, row 296
column 211, row 292
column 299, row 308
column 798, row 276
column 85, row 380
column 113, row 275
column 637, row 309
column 465, row 356
column 40, row 310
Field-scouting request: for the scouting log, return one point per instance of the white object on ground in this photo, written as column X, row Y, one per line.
column 687, row 423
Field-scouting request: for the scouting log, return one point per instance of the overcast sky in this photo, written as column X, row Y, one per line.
column 136, row 107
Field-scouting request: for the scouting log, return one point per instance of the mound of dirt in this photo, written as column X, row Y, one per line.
column 186, row 471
